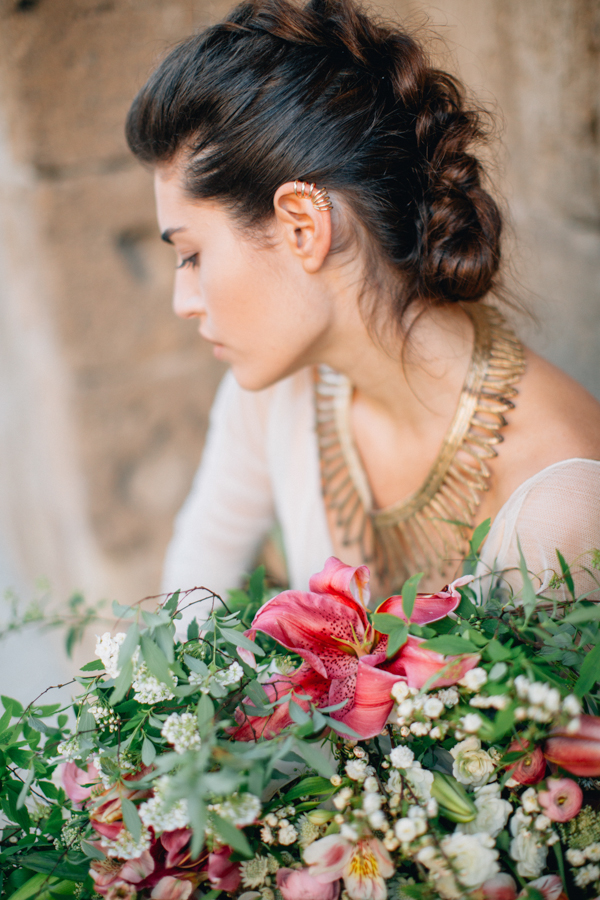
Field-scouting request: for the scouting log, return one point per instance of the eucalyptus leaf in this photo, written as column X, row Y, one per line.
column 589, row 673
column 156, row 661
column 314, row 756
column 131, row 819
column 449, row 645
column 409, row 594
column 148, row 751
column 240, row 640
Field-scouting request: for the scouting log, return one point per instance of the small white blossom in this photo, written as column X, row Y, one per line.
column 432, row 808
column 474, row 679
column 471, row 723
column 449, row 697
column 231, row 675
column 341, row 800
column 522, row 686
column 356, row 769
column 405, row 830
column 529, row 800
column 266, row 835
column 400, row 691
column 420, row 729
column 402, row 757
column 592, row 851
column 371, row 784
column 573, row 726
column 433, row 707
column 124, row 846
column 571, row 705
column 575, row 857
column 154, row 813
column 241, row 809
column 107, row 649
column 287, row 835
column 542, row 822
column 587, row 875
column 148, row 689
column 371, row 803
column 336, row 780
column 181, row 731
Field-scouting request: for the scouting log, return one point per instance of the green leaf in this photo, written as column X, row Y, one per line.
column 14, row 705
column 479, row 535
column 566, row 573
column 32, row 887
column 313, row 786
column 53, row 862
column 314, row 756
column 583, row 612
column 195, row 665
column 386, row 623
column 91, row 851
column 503, row 723
column 256, row 692
column 497, row 652
column 409, row 594
column 449, row 645
column 171, row 605
column 589, row 673
column 122, row 683
column 129, row 645
column 148, row 751
column 396, row 640
column 465, row 608
column 256, row 585
column 528, row 594
column 164, row 638
column 197, row 812
column 232, row 836
column 193, row 630
column 205, row 711
column 122, row 612
column 38, row 725
column 94, row 666
column 156, row 661
column 240, row 640
column 297, row 714
column 131, row 818
column 25, row 789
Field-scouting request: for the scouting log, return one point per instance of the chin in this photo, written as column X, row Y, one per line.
column 252, row 378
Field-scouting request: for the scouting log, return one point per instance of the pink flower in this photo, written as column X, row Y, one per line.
column 364, row 865
column 120, row 890
column 500, row 887
column 78, row 783
column 223, row 874
column 299, row 884
column 174, row 843
column 135, row 870
column 549, row 886
column 169, row 888
column 576, row 751
column 344, row 656
column 531, row 768
column 562, row 801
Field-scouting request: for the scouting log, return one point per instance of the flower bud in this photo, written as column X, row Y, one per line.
column 453, row 801
column 319, row 816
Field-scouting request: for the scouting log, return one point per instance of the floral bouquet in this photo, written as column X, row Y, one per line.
column 434, row 748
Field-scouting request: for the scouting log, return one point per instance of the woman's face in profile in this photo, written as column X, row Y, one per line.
column 254, row 302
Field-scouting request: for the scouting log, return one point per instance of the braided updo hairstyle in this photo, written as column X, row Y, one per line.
column 323, row 93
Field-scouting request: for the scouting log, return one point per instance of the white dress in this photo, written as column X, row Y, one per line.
column 261, row 465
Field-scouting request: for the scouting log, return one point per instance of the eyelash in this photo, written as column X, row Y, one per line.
column 190, row 261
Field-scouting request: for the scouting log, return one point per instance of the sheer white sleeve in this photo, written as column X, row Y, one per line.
column 559, row 508
column 230, row 507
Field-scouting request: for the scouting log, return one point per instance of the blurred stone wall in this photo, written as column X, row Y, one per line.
column 104, row 394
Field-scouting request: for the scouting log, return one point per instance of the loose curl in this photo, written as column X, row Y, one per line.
column 324, row 93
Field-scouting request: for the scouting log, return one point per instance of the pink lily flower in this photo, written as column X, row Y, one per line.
column 176, row 844
column 136, row 870
column 562, row 801
column 363, row 865
column 299, row 884
column 344, row 656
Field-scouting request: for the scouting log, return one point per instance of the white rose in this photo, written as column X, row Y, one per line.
column 472, row 765
column 474, row 679
column 529, row 855
column 405, row 830
column 473, row 857
column 492, row 812
column 471, row 723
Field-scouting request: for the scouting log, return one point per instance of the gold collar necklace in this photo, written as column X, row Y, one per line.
column 427, row 532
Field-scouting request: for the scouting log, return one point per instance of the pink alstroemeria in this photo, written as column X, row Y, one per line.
column 299, row 884
column 344, row 656
column 78, row 783
column 363, row 865
column 169, row 888
column 562, row 801
column 504, row 887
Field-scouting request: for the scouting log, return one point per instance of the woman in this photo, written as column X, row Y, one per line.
column 317, row 179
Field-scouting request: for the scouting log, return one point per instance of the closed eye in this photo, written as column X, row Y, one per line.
column 189, row 261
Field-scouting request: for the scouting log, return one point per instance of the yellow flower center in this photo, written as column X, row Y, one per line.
column 364, row 863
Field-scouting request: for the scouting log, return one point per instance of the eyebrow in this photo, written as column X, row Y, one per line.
column 166, row 235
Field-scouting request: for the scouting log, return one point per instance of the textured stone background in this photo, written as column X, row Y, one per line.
column 104, row 394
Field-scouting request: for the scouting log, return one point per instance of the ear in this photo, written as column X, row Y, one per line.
column 307, row 230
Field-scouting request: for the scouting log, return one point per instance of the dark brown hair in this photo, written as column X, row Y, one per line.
column 324, row 93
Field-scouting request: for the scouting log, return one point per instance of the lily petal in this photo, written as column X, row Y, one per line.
column 419, row 665
column 135, row 870
column 428, row 607
column 315, row 626
column 328, row 857
column 368, row 710
column 343, row 582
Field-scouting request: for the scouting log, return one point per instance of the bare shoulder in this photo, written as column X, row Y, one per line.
column 554, row 419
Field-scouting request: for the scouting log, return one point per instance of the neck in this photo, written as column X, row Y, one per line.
column 415, row 379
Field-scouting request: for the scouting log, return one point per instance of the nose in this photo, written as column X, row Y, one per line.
column 187, row 303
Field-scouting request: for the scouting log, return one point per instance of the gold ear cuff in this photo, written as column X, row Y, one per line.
column 320, row 198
